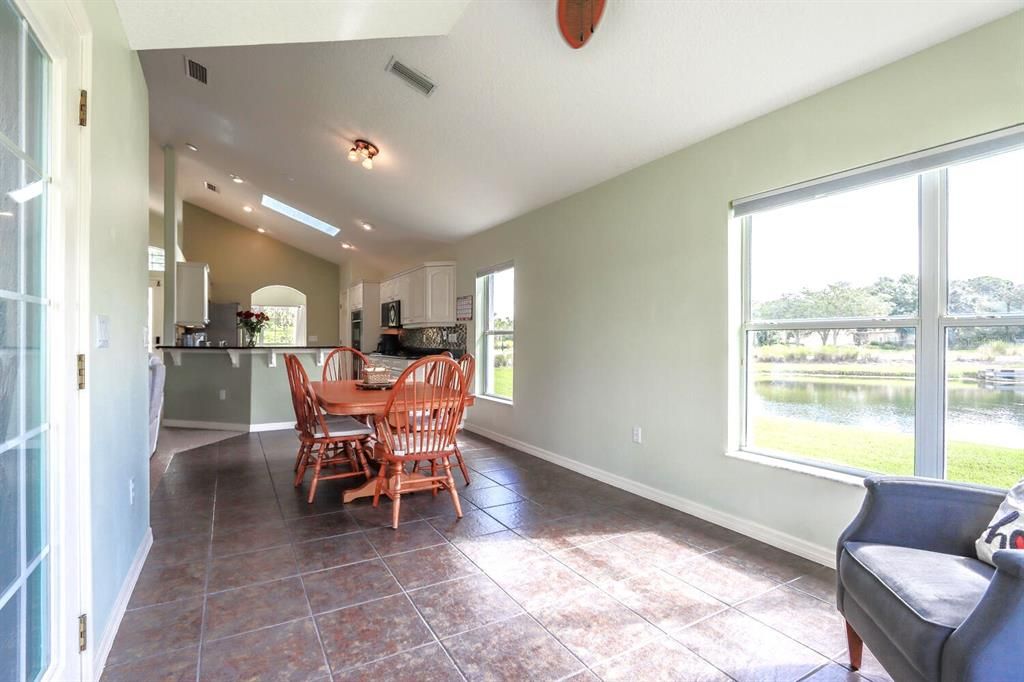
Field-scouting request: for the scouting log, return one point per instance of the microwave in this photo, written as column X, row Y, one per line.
column 391, row 314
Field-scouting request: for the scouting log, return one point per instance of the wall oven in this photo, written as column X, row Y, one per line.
column 357, row 329
column 391, row 314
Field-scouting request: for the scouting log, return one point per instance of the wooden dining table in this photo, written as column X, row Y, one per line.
column 347, row 399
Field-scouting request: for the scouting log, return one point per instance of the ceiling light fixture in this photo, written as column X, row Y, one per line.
column 363, row 150
column 260, row 230
column 346, row 245
column 191, row 147
column 367, row 226
column 297, row 215
column 237, row 178
column 247, row 209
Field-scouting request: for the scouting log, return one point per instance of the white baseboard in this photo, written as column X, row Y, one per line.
column 228, row 426
column 99, row 660
column 816, row 553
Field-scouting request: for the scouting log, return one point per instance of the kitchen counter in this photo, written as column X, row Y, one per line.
column 235, row 353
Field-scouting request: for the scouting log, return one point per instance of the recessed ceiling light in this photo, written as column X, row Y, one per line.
column 237, row 178
column 247, row 209
column 367, row 226
column 260, row 230
column 297, row 215
column 191, row 147
column 346, row 245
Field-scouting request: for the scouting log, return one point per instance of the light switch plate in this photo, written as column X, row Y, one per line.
column 102, row 331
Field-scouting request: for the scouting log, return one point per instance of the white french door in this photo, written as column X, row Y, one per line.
column 43, row 469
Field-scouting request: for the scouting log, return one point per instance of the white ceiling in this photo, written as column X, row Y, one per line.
column 159, row 24
column 518, row 119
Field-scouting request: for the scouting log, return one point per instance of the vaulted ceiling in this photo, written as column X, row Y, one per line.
column 518, row 119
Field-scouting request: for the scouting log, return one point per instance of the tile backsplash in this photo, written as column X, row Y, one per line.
column 435, row 337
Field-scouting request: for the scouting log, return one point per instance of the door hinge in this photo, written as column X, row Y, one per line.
column 81, row 371
column 83, row 108
column 81, row 633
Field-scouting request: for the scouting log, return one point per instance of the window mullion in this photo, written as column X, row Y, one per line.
column 929, row 398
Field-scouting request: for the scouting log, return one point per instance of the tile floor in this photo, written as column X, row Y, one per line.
column 549, row 576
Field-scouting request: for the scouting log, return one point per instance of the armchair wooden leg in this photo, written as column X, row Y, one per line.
column 320, row 455
column 301, row 463
column 396, row 500
column 450, row 482
column 462, row 465
column 855, row 645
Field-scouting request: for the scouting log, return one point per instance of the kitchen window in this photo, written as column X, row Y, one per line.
column 496, row 292
column 287, row 326
column 883, row 316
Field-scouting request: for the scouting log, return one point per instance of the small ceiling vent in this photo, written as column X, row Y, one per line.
column 195, row 70
column 411, row 76
column 212, row 187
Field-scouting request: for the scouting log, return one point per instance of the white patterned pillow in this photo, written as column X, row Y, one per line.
column 1007, row 528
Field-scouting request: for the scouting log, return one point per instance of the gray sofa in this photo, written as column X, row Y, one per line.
column 911, row 587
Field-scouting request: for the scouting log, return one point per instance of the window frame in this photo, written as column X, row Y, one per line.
column 486, row 289
column 300, row 327
column 931, row 324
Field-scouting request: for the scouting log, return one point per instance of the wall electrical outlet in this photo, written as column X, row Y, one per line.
column 638, row 435
column 223, row 394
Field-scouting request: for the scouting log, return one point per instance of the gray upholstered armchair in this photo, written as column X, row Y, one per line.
column 911, row 587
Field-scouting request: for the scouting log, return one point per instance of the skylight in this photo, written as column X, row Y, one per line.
column 295, row 214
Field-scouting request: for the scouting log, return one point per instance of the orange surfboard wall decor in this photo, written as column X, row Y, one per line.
column 578, row 19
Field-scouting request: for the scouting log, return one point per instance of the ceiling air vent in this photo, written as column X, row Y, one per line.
column 195, row 70
column 411, row 76
column 212, row 187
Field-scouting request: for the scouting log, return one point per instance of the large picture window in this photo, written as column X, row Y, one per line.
column 496, row 290
column 883, row 317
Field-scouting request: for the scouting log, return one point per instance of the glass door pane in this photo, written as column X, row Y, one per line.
column 24, row 312
column 985, row 405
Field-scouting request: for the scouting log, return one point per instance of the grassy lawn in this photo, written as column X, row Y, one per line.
column 888, row 453
column 503, row 382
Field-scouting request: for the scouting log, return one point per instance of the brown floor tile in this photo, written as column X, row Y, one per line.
column 870, row 668
column 369, row 517
column 179, row 550
column 507, row 476
column 596, row 627
column 429, row 566
column 472, row 523
column 748, row 650
column 156, row 629
column 543, row 583
column 602, row 563
column 493, row 461
column 322, row 526
column 159, row 583
column 257, row 606
column 808, row 620
column 657, row 546
column 490, row 497
column 552, row 535
column 820, row 583
column 249, row 538
column 176, row 525
column 247, row 513
column 519, row 514
column 366, row 632
column 291, row 651
column 721, row 578
column 514, row 649
column 334, row 551
column 767, row 560
column 408, row 536
column 347, row 585
column 428, row 662
column 499, row 551
column 173, row 666
column 665, row 601
column 459, row 605
column 701, row 533
column 661, row 659
column 252, row 567
column 423, row 505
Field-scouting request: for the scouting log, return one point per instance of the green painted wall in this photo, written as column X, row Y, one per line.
column 643, row 270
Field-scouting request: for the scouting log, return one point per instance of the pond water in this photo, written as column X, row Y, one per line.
column 976, row 414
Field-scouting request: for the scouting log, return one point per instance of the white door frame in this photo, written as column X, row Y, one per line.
column 63, row 29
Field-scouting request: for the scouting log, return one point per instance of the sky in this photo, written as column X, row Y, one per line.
column 864, row 234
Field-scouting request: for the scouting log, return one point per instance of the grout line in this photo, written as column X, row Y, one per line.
column 206, row 579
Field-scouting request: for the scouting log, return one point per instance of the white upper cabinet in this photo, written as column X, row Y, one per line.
column 427, row 294
column 355, row 297
column 192, row 294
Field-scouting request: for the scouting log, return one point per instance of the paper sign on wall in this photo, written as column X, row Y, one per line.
column 464, row 308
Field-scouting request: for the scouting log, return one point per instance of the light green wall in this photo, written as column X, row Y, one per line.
column 118, row 381
column 624, row 291
column 242, row 261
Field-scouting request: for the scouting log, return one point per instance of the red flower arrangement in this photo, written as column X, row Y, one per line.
column 252, row 323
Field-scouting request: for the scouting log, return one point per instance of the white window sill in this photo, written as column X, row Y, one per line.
column 797, row 467
column 494, row 399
